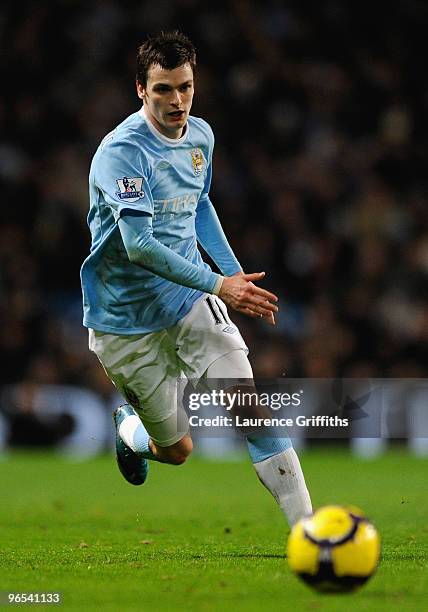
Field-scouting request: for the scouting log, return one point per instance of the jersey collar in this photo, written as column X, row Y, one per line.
column 170, row 141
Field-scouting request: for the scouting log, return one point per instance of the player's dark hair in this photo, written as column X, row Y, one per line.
column 168, row 50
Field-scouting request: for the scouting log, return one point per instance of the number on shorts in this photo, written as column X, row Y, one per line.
column 216, row 316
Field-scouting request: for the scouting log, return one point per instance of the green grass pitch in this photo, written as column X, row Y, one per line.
column 203, row 536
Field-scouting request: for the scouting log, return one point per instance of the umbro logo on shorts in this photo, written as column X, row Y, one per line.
column 229, row 330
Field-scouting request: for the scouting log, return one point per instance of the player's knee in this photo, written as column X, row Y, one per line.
column 178, row 453
column 177, row 458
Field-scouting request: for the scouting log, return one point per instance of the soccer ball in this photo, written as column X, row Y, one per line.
column 334, row 550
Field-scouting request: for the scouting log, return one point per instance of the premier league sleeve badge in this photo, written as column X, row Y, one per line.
column 130, row 189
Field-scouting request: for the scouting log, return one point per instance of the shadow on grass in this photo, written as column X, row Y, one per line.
column 230, row 555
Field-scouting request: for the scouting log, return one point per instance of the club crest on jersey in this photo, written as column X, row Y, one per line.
column 198, row 161
column 130, row 189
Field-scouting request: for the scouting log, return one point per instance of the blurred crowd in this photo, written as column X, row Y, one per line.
column 320, row 173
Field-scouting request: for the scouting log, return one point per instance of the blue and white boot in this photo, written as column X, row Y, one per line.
column 133, row 467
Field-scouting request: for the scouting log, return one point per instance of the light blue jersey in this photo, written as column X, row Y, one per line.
column 137, row 169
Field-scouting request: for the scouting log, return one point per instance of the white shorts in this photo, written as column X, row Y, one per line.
column 145, row 368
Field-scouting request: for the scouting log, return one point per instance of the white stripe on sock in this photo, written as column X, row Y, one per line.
column 127, row 430
column 282, row 475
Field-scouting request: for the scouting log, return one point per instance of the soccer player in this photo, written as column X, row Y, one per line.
column 154, row 309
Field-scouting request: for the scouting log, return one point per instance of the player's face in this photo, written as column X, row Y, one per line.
column 167, row 97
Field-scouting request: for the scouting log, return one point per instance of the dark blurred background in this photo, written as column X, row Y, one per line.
column 320, row 176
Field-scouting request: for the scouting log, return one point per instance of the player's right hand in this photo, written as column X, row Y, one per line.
column 240, row 292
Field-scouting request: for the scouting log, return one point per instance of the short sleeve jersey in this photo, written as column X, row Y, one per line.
column 137, row 168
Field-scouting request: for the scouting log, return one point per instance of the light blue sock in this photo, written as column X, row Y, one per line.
column 141, row 443
column 134, row 434
column 261, row 448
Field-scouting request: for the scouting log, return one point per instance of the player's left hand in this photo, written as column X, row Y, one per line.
column 246, row 297
column 269, row 318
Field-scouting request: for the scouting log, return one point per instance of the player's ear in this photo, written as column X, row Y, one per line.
column 141, row 91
